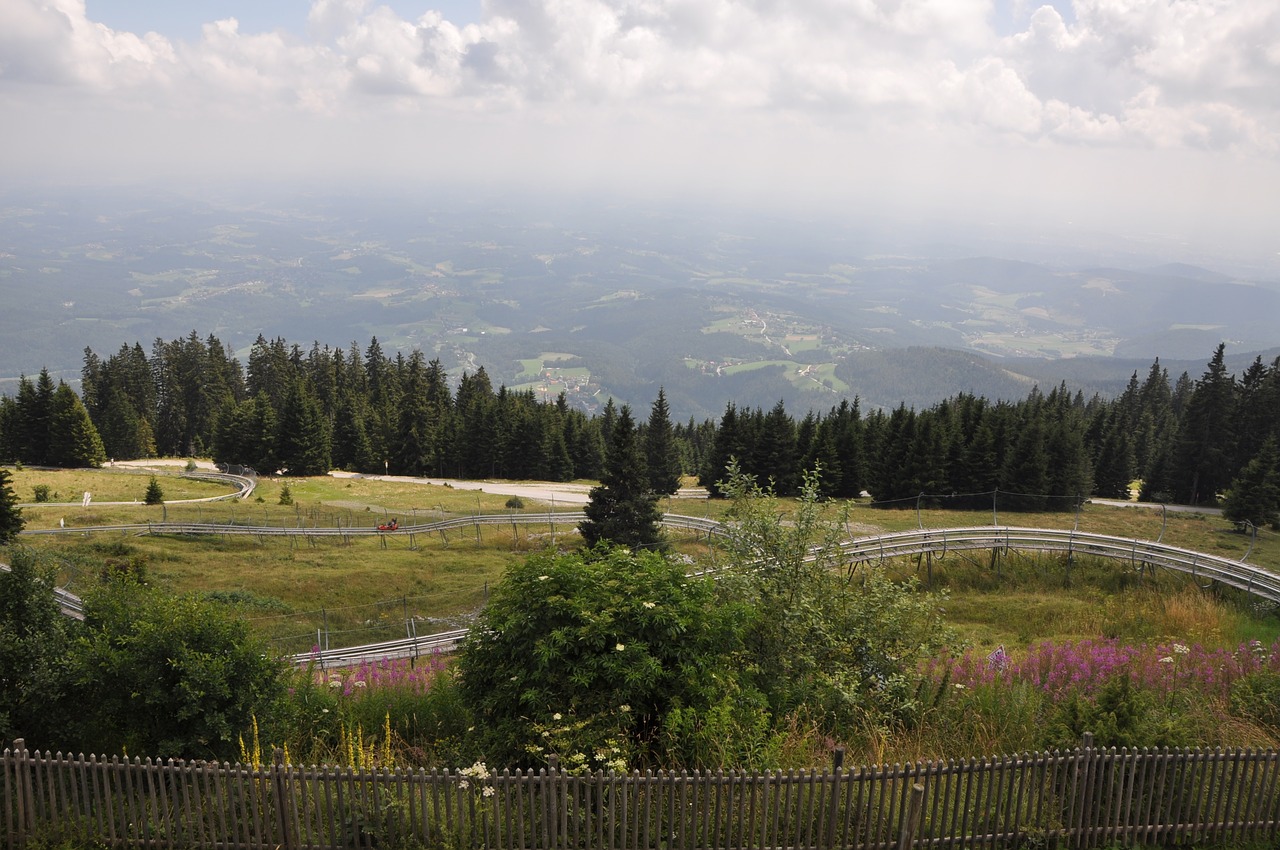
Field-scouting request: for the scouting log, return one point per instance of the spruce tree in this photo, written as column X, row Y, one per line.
column 1200, row 462
column 304, row 434
column 73, row 441
column 154, row 494
column 660, row 450
column 623, row 510
column 11, row 520
column 1255, row 495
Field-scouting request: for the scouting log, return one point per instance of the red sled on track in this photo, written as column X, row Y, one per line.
column 389, row 526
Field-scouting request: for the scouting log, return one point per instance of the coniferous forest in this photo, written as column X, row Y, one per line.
column 1199, row 441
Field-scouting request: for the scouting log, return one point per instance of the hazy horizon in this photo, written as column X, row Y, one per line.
column 1152, row 123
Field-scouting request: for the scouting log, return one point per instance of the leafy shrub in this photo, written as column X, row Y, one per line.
column 612, row 638
column 515, row 503
column 1120, row 715
column 42, row 492
column 1257, row 697
column 166, row 676
column 246, row 600
column 843, row 644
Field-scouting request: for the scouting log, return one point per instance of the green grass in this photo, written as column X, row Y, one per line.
column 366, row 586
column 111, row 484
column 759, row 364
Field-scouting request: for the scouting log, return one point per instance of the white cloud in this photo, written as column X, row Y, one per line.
column 813, row 95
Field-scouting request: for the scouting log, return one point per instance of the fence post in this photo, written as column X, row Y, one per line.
column 26, row 816
column 912, row 824
column 551, row 791
column 1083, row 785
column 833, row 809
column 284, row 800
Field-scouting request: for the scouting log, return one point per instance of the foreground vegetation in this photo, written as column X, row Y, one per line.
column 767, row 672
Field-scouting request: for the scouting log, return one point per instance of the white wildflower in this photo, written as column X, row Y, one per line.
column 620, row 647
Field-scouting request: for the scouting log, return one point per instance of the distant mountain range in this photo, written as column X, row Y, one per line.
column 604, row 300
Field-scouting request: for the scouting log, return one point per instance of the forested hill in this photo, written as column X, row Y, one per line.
column 1193, row 441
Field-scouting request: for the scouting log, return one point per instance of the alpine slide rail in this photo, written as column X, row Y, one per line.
column 1205, row 569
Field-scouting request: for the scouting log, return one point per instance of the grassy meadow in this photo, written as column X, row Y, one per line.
column 366, row 588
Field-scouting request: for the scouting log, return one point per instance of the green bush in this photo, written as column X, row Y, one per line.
column 610, row 638
column 1120, row 715
column 34, row 638
column 1257, row 697
column 842, row 644
column 41, row 492
column 166, row 676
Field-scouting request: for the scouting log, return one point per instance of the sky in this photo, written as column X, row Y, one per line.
column 1159, row 118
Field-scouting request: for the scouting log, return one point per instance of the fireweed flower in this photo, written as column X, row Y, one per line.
column 1084, row 666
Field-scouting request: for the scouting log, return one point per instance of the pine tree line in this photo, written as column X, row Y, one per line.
column 1188, row 441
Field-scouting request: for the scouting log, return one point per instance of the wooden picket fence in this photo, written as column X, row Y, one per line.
column 1082, row 798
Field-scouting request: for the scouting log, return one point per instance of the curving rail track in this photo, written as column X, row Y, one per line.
column 880, row 547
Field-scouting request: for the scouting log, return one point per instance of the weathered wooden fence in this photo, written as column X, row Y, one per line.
column 1083, row 798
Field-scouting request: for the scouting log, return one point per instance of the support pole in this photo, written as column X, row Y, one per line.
column 910, row 826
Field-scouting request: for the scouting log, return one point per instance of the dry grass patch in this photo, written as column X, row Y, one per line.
column 118, row 484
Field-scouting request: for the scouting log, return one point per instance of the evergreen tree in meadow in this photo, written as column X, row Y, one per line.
column 154, row 494
column 623, row 510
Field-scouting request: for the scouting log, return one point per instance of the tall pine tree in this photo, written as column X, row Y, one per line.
column 623, row 509
column 659, row 449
